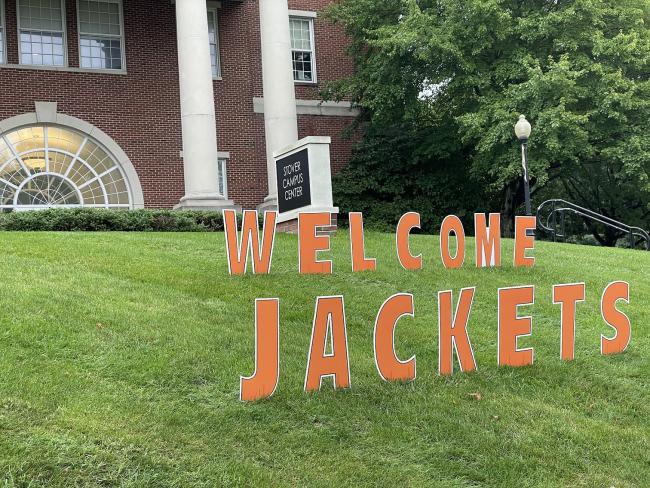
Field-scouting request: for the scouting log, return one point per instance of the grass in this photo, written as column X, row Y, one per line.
column 120, row 357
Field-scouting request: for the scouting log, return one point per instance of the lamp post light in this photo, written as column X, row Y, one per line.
column 523, row 130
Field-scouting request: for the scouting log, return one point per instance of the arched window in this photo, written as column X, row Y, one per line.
column 48, row 166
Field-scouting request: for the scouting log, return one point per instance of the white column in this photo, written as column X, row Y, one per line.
column 280, row 119
column 197, row 109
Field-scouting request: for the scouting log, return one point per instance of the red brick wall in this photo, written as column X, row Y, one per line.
column 331, row 44
column 141, row 110
column 332, row 63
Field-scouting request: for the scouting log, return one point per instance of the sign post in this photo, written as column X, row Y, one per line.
column 304, row 179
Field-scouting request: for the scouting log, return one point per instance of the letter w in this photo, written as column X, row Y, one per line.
column 238, row 248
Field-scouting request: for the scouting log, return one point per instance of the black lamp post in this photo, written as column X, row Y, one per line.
column 523, row 130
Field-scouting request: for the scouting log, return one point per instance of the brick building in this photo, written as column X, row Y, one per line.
column 161, row 103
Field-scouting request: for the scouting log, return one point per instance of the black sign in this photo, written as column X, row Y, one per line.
column 293, row 181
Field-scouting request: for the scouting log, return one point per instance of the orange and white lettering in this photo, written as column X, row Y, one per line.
column 511, row 326
column 389, row 366
column 357, row 245
column 406, row 224
column 617, row 320
column 238, row 249
column 264, row 381
column 452, row 332
column 488, row 240
column 329, row 322
column 523, row 241
column 310, row 244
column 568, row 296
column 450, row 224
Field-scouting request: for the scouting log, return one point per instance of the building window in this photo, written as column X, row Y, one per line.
column 302, row 49
column 48, row 166
column 223, row 177
column 213, row 35
column 101, row 34
column 42, row 36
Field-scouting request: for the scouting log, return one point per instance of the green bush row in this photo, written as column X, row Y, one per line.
column 93, row 220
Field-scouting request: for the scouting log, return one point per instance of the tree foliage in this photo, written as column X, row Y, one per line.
column 452, row 77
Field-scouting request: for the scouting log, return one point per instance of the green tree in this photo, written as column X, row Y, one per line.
column 453, row 75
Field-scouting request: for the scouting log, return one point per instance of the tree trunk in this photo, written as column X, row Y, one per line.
column 608, row 238
column 508, row 211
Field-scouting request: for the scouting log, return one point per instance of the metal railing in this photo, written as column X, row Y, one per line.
column 560, row 208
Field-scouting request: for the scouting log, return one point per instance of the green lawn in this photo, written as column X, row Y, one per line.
column 121, row 355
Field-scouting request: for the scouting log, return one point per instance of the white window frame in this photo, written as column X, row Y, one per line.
column 213, row 9
column 64, row 42
column 3, row 28
column 222, row 160
column 93, row 173
column 122, row 39
column 309, row 17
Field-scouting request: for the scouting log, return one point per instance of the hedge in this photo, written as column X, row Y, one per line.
column 103, row 220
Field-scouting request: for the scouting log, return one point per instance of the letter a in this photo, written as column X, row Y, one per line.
column 329, row 322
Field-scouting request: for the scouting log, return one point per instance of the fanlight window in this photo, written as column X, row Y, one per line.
column 48, row 166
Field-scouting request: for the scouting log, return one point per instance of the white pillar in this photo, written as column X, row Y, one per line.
column 280, row 119
column 197, row 109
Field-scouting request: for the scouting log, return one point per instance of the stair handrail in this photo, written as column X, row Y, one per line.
column 566, row 207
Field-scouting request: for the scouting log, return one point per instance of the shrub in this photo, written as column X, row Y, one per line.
column 387, row 177
column 95, row 220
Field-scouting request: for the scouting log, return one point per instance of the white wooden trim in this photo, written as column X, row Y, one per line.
column 312, row 35
column 3, row 27
column 64, row 34
column 303, row 13
column 314, row 107
column 213, row 9
column 67, row 69
column 88, row 130
column 122, row 39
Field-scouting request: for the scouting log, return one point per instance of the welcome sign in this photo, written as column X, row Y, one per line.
column 328, row 351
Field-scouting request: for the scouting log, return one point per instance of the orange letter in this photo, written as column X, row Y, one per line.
column 450, row 224
column 310, row 243
column 523, row 241
column 359, row 260
column 238, row 249
column 329, row 322
column 617, row 320
column 488, row 240
column 452, row 332
column 408, row 222
column 267, row 353
column 567, row 296
column 511, row 327
column 389, row 366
